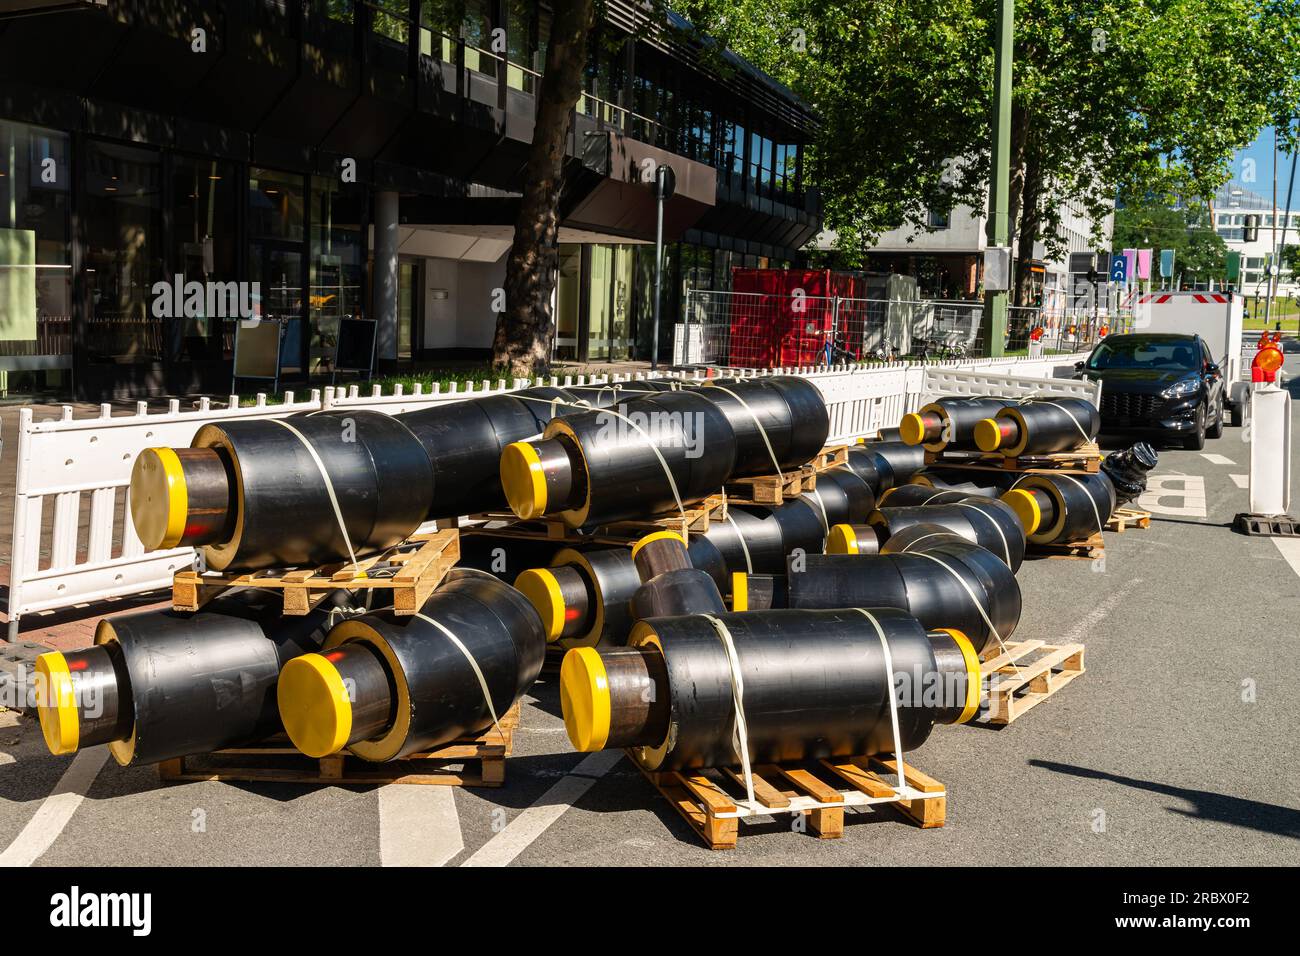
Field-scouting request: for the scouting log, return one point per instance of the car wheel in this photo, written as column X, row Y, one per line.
column 1216, row 431
column 1238, row 415
column 1196, row 441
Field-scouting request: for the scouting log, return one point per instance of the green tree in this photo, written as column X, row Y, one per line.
column 1199, row 252
column 522, row 338
column 1136, row 97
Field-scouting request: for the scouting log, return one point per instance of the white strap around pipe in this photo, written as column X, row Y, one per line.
column 663, row 462
column 738, row 701
column 761, row 430
column 482, row 681
column 329, row 485
column 893, row 696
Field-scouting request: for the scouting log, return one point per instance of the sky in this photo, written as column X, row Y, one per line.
column 1256, row 161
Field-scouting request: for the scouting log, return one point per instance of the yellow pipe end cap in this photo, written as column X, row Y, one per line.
column 657, row 536
column 912, row 429
column 1026, row 508
column 739, row 591
column 56, row 704
column 842, row 540
column 584, row 699
column 974, row 678
column 988, row 436
column 315, row 706
column 159, row 498
column 524, row 480
column 541, row 589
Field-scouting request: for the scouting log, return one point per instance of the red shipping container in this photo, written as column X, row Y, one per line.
column 784, row 317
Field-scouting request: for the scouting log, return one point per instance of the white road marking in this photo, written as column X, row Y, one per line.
column 56, row 810
column 418, row 825
column 1189, row 488
column 1241, row 481
column 1094, row 617
column 1214, row 459
column 549, row 807
column 1290, row 548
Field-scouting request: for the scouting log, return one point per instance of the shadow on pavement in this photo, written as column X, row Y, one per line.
column 1207, row 805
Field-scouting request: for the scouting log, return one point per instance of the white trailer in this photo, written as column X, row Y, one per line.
column 1217, row 318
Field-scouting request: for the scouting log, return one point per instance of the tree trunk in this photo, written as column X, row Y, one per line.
column 523, row 332
column 1026, row 234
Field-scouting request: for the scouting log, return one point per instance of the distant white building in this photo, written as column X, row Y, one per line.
column 1232, row 204
column 949, row 260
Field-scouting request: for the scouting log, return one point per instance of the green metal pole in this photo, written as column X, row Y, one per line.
column 993, row 323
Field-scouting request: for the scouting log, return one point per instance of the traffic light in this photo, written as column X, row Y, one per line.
column 1250, row 227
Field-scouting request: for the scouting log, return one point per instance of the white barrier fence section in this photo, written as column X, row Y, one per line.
column 65, row 464
column 62, row 463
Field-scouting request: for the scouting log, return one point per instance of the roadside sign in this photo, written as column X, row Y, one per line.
column 1081, row 262
column 1232, row 266
column 1118, row 269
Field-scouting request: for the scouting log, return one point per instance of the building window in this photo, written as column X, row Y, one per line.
column 276, row 229
column 122, row 212
column 35, row 255
column 205, row 248
column 476, row 29
column 519, row 47
column 733, row 148
column 337, row 270
column 938, row 220
column 389, row 19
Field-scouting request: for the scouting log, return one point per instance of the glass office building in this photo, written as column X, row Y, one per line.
column 324, row 162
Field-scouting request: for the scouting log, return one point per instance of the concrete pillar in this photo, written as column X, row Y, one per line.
column 385, row 276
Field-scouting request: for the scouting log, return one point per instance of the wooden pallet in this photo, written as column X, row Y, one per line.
column 1089, row 549
column 1085, row 458
column 777, row 489
column 696, row 520
column 1121, row 519
column 1024, row 675
column 712, row 802
column 411, row 574
column 276, row 761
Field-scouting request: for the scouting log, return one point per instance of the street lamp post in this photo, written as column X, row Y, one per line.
column 665, row 186
column 993, row 323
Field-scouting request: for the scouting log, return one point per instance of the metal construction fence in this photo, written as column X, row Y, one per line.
column 74, row 542
column 763, row 330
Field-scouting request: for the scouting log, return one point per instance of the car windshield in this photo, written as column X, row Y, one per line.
column 1166, row 355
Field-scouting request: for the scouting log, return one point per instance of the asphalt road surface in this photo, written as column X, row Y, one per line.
column 1176, row 747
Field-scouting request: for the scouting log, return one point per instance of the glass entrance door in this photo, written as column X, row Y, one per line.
column 600, row 302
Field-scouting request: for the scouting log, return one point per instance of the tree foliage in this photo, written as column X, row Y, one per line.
column 1199, row 252
column 1135, row 98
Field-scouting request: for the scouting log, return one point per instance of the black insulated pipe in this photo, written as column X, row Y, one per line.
column 816, row 685
column 438, row 694
column 171, row 684
column 992, row 524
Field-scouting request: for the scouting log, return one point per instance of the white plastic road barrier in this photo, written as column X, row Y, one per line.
column 1270, row 450
column 65, row 464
